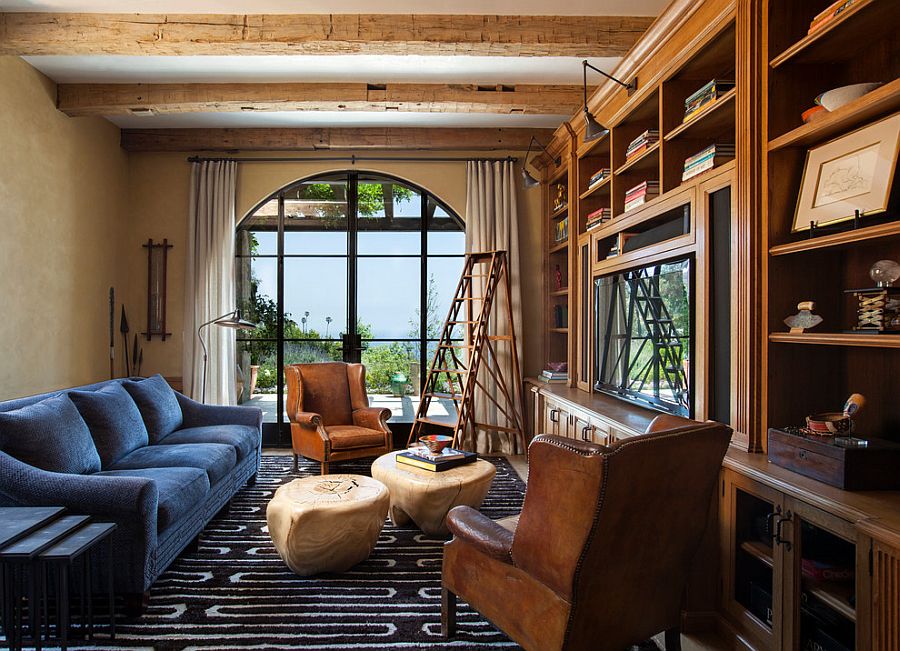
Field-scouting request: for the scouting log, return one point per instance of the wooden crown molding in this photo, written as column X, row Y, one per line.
column 211, row 34
column 125, row 99
column 388, row 139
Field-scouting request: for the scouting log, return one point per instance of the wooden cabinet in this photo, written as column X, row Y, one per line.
column 805, row 565
column 795, row 574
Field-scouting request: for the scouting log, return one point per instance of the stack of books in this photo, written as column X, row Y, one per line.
column 706, row 96
column 599, row 177
column 834, row 10
column 562, row 229
column 554, row 377
column 707, row 159
column 599, row 216
column 641, row 194
column 421, row 457
column 641, row 144
column 561, row 316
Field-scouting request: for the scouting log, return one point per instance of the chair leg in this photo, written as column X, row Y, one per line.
column 673, row 639
column 448, row 614
column 324, row 467
column 296, row 464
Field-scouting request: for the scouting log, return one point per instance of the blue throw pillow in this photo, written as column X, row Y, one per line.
column 158, row 405
column 114, row 421
column 50, row 435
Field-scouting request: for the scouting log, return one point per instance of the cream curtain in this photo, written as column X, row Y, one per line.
column 492, row 224
column 209, row 281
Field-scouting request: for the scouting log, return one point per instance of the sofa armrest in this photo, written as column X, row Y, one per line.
column 478, row 530
column 197, row 414
column 372, row 417
column 113, row 497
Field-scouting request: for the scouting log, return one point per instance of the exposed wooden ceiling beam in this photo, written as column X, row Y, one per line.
column 125, row 99
column 390, row 138
column 190, row 34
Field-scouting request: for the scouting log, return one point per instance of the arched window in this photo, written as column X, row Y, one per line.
column 352, row 266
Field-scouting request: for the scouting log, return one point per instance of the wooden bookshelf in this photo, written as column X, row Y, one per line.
column 647, row 161
column 839, row 240
column 836, row 339
column 881, row 101
column 865, row 21
column 715, row 120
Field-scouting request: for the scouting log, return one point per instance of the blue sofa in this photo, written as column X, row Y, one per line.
column 157, row 463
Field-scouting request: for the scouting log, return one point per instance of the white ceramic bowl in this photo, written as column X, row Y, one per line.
column 837, row 97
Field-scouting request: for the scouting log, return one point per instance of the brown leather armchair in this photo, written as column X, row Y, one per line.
column 330, row 415
column 600, row 555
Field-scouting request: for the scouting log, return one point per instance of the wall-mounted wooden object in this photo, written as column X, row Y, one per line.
column 157, row 261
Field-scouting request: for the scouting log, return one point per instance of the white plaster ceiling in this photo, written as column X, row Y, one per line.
column 479, row 7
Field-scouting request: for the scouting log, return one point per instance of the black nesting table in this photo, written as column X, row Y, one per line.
column 41, row 542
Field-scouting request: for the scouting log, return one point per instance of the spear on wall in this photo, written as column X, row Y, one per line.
column 112, row 333
column 123, row 328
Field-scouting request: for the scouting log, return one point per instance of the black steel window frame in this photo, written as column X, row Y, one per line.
column 352, row 353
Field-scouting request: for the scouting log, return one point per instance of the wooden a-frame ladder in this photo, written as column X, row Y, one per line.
column 466, row 351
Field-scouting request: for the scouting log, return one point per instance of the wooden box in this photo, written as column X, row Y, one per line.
column 874, row 467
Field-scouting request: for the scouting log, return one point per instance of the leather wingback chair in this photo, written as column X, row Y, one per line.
column 600, row 556
column 330, row 415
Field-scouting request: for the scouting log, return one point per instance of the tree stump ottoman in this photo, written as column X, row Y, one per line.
column 425, row 497
column 327, row 523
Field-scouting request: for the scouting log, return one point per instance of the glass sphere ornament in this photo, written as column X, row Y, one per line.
column 885, row 273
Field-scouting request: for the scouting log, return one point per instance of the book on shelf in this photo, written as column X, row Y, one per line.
column 598, row 218
column 641, row 194
column 641, row 144
column 708, row 94
column 555, row 375
column 830, row 13
column 562, row 230
column 560, row 316
column 707, row 159
column 554, row 380
column 598, row 177
column 436, row 463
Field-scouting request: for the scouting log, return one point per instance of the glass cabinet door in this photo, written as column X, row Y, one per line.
column 753, row 516
column 823, row 559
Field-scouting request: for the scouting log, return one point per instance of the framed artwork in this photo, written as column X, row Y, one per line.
column 850, row 173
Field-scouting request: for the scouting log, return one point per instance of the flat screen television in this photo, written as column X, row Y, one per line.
column 644, row 335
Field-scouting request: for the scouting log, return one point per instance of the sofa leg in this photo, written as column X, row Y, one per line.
column 448, row 614
column 252, row 480
column 194, row 546
column 673, row 639
column 136, row 604
column 324, row 467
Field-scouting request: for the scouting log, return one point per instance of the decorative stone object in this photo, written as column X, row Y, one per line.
column 425, row 497
column 327, row 523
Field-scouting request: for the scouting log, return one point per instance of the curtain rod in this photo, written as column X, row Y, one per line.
column 352, row 159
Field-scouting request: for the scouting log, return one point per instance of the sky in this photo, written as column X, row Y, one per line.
column 388, row 287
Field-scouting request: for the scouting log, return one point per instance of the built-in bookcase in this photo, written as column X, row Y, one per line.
column 857, row 46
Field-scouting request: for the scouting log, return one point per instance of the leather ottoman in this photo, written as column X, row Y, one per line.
column 327, row 523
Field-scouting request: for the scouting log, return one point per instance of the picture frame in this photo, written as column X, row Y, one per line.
column 850, row 173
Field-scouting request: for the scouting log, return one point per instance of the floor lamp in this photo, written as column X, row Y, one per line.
column 231, row 320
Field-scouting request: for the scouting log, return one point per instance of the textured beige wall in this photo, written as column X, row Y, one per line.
column 62, row 184
column 159, row 191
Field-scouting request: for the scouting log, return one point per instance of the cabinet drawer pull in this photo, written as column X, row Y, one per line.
column 769, row 522
column 554, row 415
column 778, row 539
column 584, row 433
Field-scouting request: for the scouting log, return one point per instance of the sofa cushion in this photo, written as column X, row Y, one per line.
column 216, row 459
column 180, row 490
column 50, row 435
column 114, row 421
column 245, row 439
column 158, row 405
column 346, row 437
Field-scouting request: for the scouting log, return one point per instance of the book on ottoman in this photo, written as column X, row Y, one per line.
column 422, row 458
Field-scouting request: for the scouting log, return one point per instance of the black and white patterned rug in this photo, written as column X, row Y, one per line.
column 234, row 592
